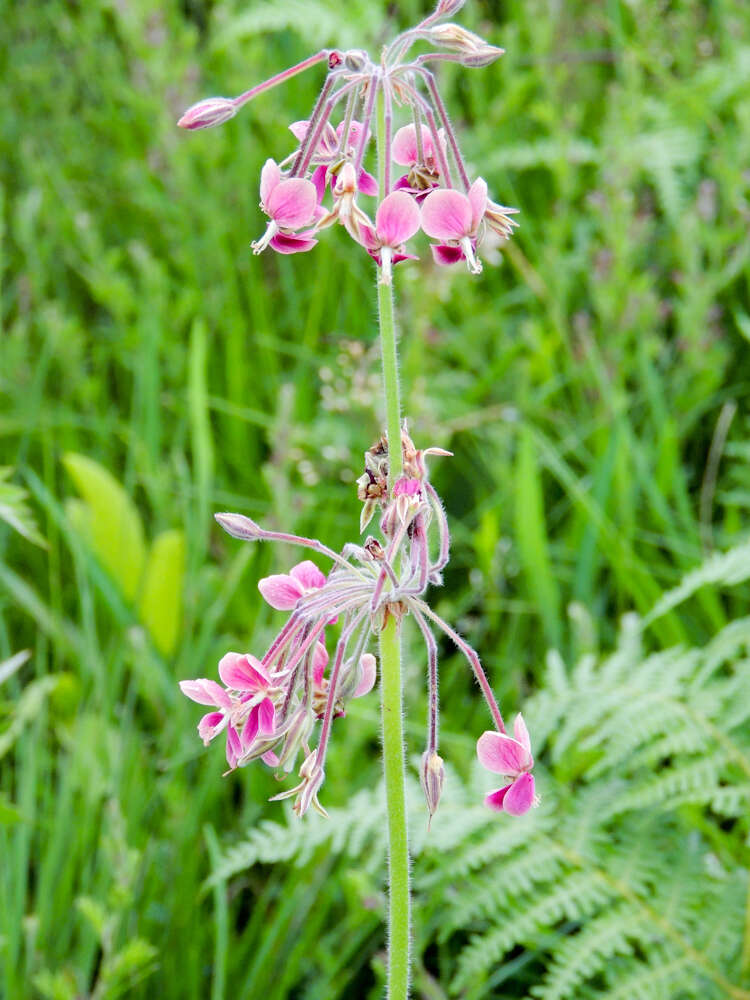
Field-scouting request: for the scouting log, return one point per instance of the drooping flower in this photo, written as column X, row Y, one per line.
column 454, row 218
column 291, row 203
column 511, row 757
column 329, row 155
column 424, row 171
column 396, row 221
column 245, row 708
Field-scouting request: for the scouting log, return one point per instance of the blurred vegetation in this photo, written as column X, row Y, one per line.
column 591, row 384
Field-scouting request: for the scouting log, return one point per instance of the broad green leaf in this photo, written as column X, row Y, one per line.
column 160, row 606
column 116, row 529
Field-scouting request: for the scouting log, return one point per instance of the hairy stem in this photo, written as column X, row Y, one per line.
column 399, row 903
column 398, row 847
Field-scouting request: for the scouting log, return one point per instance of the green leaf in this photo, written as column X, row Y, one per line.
column 9, row 813
column 531, row 533
column 115, row 525
column 160, row 606
column 14, row 510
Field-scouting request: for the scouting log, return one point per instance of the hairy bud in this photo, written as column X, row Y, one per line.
column 447, row 8
column 208, row 113
column 474, row 51
column 432, row 778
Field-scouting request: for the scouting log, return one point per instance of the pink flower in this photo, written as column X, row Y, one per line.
column 396, row 221
column 404, row 147
column 208, row 113
column 328, row 153
column 283, row 590
column 454, row 218
column 290, row 203
column 512, row 758
column 246, row 709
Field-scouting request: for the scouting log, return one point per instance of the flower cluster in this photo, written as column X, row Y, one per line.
column 269, row 707
column 280, row 708
column 324, row 182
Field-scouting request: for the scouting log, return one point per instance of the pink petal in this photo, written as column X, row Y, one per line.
column 292, row 243
column 292, row 202
column 520, row 796
column 445, row 255
column 367, row 184
column 205, row 692
column 266, row 717
column 446, row 215
column 281, row 591
column 242, row 673
column 308, row 575
column 495, row 799
column 521, row 733
column 501, row 754
column 397, row 219
column 234, row 747
column 299, row 129
column 478, row 201
column 320, row 662
column 355, row 133
column 250, row 729
column 270, row 758
column 404, row 145
column 367, row 666
column 318, row 179
column 398, row 257
column 210, row 725
column 270, row 176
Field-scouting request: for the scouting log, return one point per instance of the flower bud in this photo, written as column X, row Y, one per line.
column 432, row 778
column 208, row 113
column 475, row 51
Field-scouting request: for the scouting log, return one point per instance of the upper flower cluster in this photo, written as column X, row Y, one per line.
column 324, row 181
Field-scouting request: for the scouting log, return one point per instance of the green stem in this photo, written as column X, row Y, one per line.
column 398, row 847
column 390, row 650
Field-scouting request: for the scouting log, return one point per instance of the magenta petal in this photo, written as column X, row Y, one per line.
column 367, row 184
column 270, row 176
column 320, row 662
column 446, row 215
column 495, row 799
column 318, row 180
column 281, row 591
column 478, row 201
column 292, row 243
column 266, row 717
column 397, row 219
column 250, row 729
column 292, row 202
column 234, row 746
column 520, row 796
column 501, row 754
column 308, row 575
column 209, row 726
column 445, row 255
column 243, row 673
column 205, row 692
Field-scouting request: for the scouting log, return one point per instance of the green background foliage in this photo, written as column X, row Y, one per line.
column 592, row 386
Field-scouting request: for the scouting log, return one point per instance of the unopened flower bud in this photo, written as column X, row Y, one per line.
column 432, row 778
column 208, row 113
column 346, row 181
column 356, row 59
column 475, row 51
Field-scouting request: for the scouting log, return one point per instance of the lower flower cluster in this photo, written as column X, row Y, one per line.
column 270, row 707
